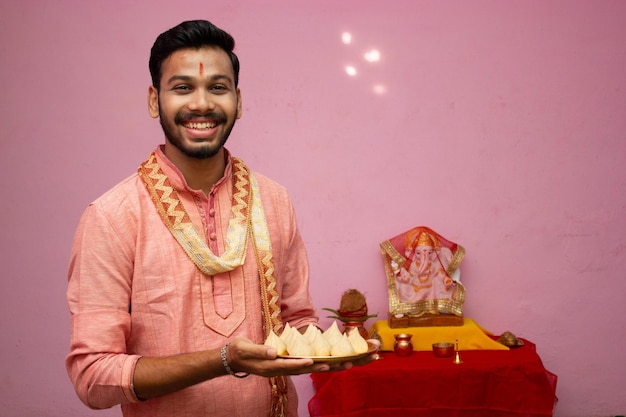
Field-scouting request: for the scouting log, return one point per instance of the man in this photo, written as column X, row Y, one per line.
column 179, row 273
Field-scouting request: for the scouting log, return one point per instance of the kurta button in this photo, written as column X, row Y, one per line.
column 212, row 212
column 213, row 236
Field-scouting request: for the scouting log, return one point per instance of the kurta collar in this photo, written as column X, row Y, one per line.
column 178, row 180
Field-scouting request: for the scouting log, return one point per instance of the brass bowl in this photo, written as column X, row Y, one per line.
column 510, row 340
column 443, row 349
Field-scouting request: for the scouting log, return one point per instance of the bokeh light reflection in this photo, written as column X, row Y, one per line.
column 372, row 56
column 364, row 69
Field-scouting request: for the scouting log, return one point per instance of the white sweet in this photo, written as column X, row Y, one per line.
column 321, row 347
column 277, row 343
column 356, row 340
column 311, row 332
column 286, row 332
column 343, row 347
column 289, row 335
column 332, row 334
column 298, row 345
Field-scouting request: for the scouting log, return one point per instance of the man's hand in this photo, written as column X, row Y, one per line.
column 245, row 356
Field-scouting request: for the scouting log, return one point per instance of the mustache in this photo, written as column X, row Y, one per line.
column 185, row 117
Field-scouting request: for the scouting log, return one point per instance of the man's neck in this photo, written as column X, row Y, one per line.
column 200, row 174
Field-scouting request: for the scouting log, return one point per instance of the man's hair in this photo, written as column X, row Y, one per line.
column 193, row 34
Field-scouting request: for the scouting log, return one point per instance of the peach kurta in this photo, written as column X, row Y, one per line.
column 134, row 292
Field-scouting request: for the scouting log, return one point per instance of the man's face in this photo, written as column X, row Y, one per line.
column 198, row 102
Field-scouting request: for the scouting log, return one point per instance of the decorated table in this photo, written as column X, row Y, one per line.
column 487, row 376
column 488, row 383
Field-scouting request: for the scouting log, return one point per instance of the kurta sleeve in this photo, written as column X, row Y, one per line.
column 99, row 288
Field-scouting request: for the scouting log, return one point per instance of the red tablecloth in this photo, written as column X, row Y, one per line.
column 488, row 383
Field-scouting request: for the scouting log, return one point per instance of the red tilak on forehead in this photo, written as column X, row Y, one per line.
column 201, row 69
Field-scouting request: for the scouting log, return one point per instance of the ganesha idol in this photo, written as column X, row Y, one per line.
column 422, row 269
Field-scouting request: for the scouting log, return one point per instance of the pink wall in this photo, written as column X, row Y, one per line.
column 499, row 124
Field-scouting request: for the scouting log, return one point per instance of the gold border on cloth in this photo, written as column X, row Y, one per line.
column 270, row 300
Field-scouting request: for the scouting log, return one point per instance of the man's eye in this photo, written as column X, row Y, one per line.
column 182, row 88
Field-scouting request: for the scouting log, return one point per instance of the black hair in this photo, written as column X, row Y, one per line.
column 190, row 34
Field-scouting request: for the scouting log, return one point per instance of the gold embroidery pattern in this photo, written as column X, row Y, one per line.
column 178, row 222
column 456, row 260
column 263, row 247
column 272, row 320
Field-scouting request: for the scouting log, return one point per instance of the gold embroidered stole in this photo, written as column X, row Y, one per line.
column 271, row 313
column 247, row 220
column 177, row 219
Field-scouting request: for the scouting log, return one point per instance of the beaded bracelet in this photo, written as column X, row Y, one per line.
column 227, row 366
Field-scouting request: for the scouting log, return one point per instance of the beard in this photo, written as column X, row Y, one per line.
column 202, row 151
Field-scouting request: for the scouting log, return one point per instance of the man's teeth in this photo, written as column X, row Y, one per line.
column 200, row 125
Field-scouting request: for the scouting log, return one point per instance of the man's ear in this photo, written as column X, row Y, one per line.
column 239, row 106
column 153, row 101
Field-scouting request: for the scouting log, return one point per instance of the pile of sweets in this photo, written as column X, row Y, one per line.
column 314, row 343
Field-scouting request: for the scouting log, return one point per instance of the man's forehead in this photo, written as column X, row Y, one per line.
column 192, row 57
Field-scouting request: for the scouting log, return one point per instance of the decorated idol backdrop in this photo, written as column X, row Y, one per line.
column 500, row 125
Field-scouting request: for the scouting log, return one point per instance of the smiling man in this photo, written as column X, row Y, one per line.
column 197, row 102
column 179, row 273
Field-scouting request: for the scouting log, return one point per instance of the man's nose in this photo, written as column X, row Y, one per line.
column 201, row 101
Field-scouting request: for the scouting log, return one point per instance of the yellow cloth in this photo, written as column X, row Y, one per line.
column 470, row 336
